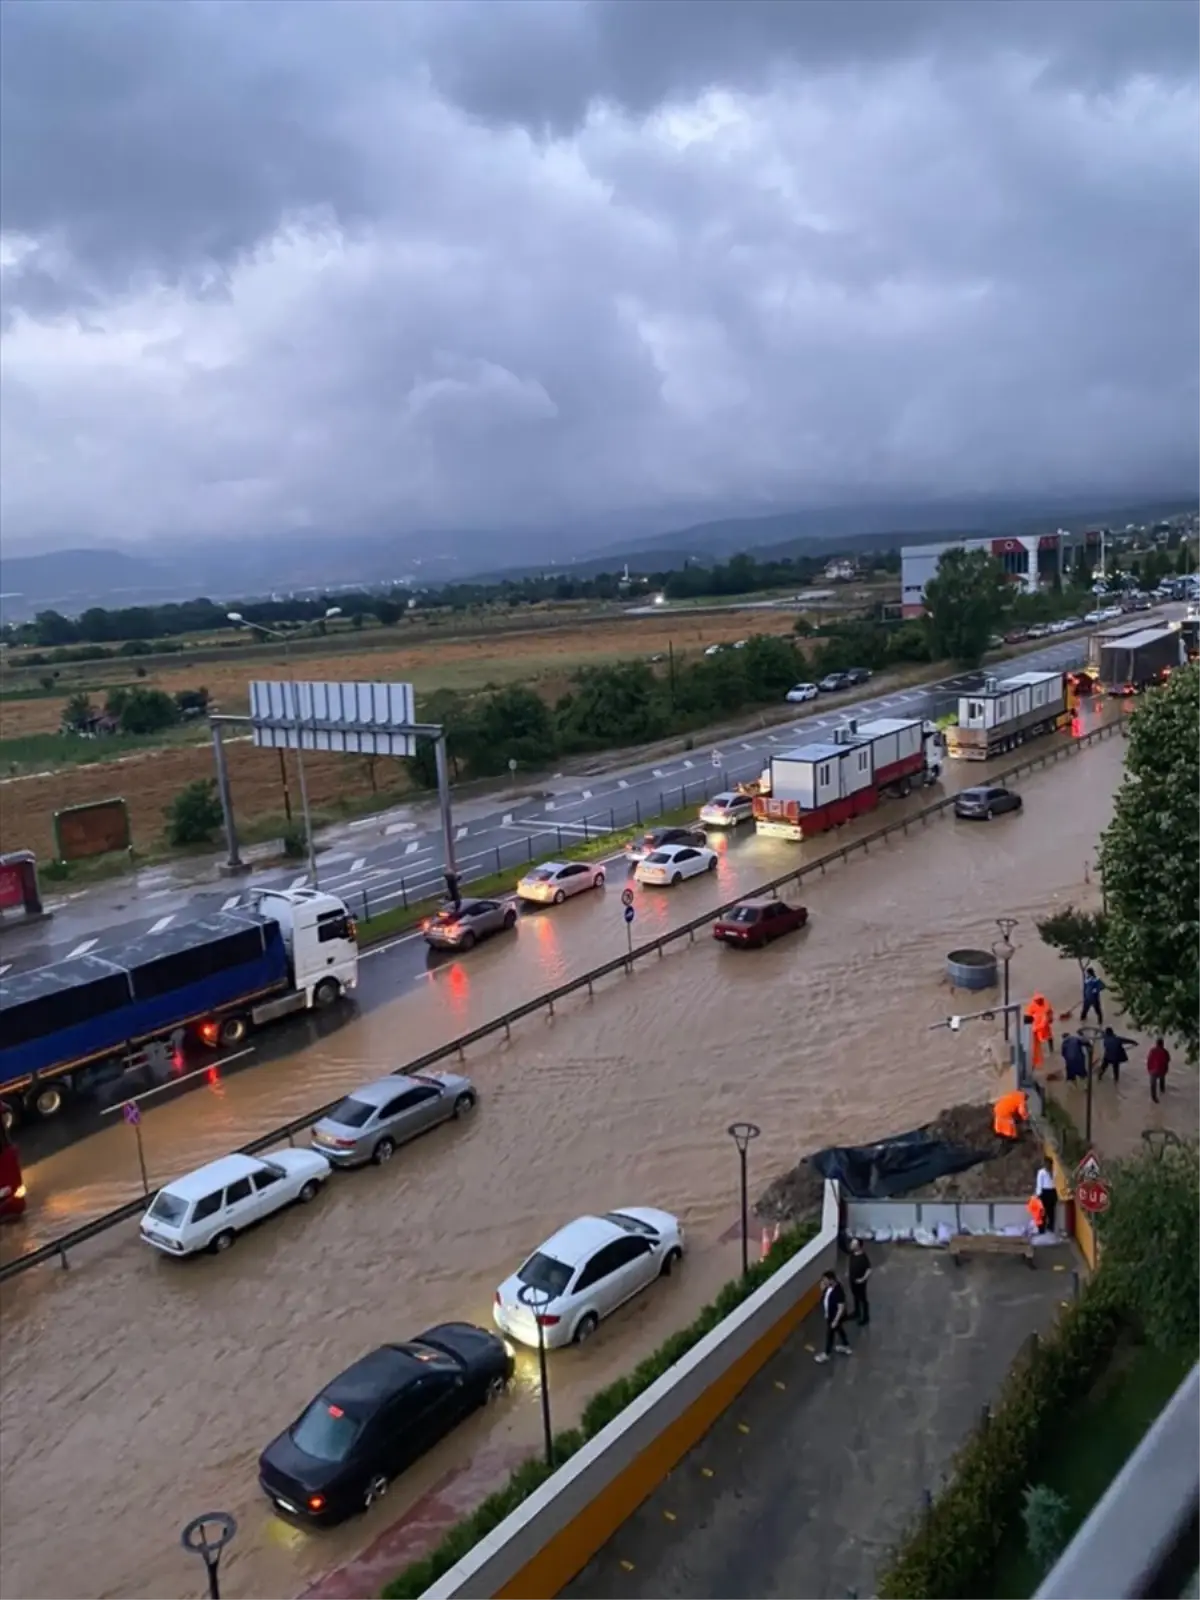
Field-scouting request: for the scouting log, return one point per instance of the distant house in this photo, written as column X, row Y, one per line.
column 841, row 569
column 97, row 726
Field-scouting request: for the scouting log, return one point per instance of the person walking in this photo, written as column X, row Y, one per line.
column 833, row 1307
column 1158, row 1059
column 1047, row 1192
column 1113, row 1053
column 1093, row 988
column 1037, row 1213
column 860, row 1272
column 1074, row 1054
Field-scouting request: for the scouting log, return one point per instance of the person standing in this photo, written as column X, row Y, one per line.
column 1047, row 1192
column 1113, row 1053
column 1037, row 1213
column 1158, row 1059
column 833, row 1307
column 860, row 1272
column 1074, row 1054
column 1093, row 988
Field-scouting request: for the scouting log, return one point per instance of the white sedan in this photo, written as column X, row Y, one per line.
column 727, row 810
column 674, row 862
column 802, row 692
column 584, row 1272
column 555, row 881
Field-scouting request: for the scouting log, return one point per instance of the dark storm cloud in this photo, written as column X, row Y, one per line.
column 273, row 265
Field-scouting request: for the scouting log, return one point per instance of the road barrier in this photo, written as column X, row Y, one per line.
column 550, row 1537
column 57, row 1249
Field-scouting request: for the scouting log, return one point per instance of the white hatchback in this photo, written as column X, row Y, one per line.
column 584, row 1272
column 556, row 881
column 209, row 1208
column 675, row 862
column 801, row 692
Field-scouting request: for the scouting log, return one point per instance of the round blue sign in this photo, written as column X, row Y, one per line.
column 630, row 913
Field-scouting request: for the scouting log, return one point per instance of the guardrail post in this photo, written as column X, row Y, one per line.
column 366, row 907
column 404, row 894
column 499, row 864
column 662, row 804
column 558, row 832
column 637, row 812
column 682, row 795
column 291, row 1139
column 62, row 1257
column 612, row 820
column 587, row 838
column 550, row 1006
column 529, row 845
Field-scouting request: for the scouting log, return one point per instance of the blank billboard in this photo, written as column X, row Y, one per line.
column 354, row 718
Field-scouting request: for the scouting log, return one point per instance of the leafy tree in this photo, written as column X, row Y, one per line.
column 1150, row 858
column 78, row 713
column 611, row 706
column 1150, row 1244
column 146, row 711
column 1076, row 935
column 195, row 813
column 963, row 604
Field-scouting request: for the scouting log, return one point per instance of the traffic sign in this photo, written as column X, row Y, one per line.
column 1092, row 1195
column 717, row 758
column 1088, row 1170
column 626, row 897
column 630, row 913
column 132, row 1113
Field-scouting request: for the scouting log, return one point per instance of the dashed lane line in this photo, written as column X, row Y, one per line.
column 163, row 922
column 233, row 900
column 357, row 865
column 82, row 949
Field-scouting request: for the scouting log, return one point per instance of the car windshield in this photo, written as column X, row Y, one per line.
column 545, row 1273
column 658, row 857
column 743, row 914
column 169, row 1208
column 353, row 1113
column 722, row 799
column 326, row 1432
column 974, row 795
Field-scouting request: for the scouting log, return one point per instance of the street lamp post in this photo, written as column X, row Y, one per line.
column 1004, row 950
column 742, row 1133
column 537, row 1300
column 206, row 1536
column 294, row 706
column 1089, row 1035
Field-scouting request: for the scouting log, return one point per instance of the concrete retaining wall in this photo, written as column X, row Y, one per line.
column 536, row 1551
column 960, row 1216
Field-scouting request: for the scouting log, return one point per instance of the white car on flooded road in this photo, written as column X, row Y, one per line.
column 727, row 810
column 584, row 1272
column 207, row 1209
column 675, row 862
column 556, row 881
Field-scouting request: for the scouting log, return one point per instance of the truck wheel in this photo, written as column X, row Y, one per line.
column 232, row 1031
column 326, row 993
column 47, row 1100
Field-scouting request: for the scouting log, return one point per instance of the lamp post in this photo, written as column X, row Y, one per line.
column 1089, row 1034
column 294, row 699
column 537, row 1300
column 206, row 1536
column 1004, row 950
column 742, row 1133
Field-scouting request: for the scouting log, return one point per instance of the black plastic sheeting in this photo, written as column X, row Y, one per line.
column 893, row 1166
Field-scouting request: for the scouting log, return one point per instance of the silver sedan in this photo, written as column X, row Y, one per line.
column 462, row 926
column 369, row 1124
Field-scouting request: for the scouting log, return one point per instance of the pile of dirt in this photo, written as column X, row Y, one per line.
column 1008, row 1173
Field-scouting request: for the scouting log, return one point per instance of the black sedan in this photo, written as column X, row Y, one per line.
column 985, row 802
column 856, row 675
column 638, row 849
column 378, row 1417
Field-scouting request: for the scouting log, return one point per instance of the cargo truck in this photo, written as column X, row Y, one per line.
column 1006, row 712
column 75, row 1027
column 822, row 785
column 1132, row 662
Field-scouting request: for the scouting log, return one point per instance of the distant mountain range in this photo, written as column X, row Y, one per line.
column 72, row 580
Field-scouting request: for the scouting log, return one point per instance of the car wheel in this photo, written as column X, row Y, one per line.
column 376, row 1490
column 598, row 881
column 383, row 1152
column 1018, row 803
column 232, row 1031
column 326, row 993
column 559, row 896
column 496, row 1390
column 8, row 1116
column 712, row 865
column 510, row 920
column 467, row 942
column 678, row 878
column 222, row 1241
column 671, row 1260
column 988, row 814
column 310, row 1191
column 585, row 1327
column 463, row 1105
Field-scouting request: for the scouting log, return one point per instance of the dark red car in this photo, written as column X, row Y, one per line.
column 757, row 922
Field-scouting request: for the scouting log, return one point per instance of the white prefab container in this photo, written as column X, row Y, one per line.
column 1003, row 714
column 811, row 776
column 892, row 739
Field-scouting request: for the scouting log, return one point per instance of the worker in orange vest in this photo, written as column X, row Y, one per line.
column 1041, row 1015
column 1037, row 1213
column 1008, row 1112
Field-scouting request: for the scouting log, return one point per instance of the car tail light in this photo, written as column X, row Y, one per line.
column 497, row 1298
column 545, row 1321
column 316, row 1502
column 209, row 1032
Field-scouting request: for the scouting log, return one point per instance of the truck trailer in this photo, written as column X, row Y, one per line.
column 1134, row 661
column 1005, row 712
column 77, row 1026
column 820, row 786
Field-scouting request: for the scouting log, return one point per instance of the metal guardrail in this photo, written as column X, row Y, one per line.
column 57, row 1248
column 1143, row 1539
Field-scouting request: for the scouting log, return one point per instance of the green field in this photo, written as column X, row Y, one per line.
column 45, row 752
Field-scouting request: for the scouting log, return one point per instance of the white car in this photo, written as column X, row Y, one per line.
column 714, row 650
column 555, row 881
column 802, row 692
column 727, row 810
column 674, row 862
column 584, row 1272
column 209, row 1208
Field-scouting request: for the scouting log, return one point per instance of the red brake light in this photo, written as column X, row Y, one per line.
column 316, row 1502
column 336, row 1411
column 209, row 1032
column 548, row 1322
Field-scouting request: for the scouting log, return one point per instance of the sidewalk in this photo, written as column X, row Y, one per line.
column 808, row 1480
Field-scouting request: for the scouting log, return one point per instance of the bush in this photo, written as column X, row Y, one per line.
column 195, row 813
column 1046, row 1515
column 147, row 711
column 597, row 1414
column 295, row 843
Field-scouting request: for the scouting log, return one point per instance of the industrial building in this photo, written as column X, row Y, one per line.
column 1032, row 560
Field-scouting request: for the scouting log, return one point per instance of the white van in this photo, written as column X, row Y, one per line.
column 209, row 1208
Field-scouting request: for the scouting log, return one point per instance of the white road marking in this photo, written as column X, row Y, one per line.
column 163, row 922
column 7, row 967
column 549, row 805
column 460, row 833
column 157, row 894
column 658, row 772
column 196, row 1072
column 298, row 883
column 747, row 747
column 622, row 783
column 689, row 763
column 774, row 738
column 411, row 848
column 399, row 827
column 330, row 861
column 586, row 795
column 506, row 819
column 81, row 949
column 228, row 905
column 357, row 865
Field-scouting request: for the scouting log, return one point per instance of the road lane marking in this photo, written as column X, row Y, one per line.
column 506, row 819
column 689, row 763
column 158, row 894
column 586, row 795
column 657, row 773
column 357, row 865
column 298, row 883
column 234, row 900
column 622, row 783
column 460, row 833
column 196, row 1072
column 413, row 845
column 7, row 967
column 549, row 805
column 400, row 827
column 747, row 747
column 163, row 922
column 82, row 949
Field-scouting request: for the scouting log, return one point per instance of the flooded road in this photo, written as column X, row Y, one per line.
column 137, row 1392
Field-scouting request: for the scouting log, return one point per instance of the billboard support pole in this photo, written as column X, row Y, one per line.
column 294, row 697
column 234, row 862
column 443, row 783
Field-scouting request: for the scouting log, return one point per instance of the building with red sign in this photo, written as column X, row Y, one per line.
column 1031, row 560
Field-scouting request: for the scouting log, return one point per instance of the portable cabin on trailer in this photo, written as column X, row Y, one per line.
column 1003, row 714
column 897, row 747
column 810, row 790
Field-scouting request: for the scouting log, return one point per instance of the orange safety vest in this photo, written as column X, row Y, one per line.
column 1007, row 1111
column 1037, row 1211
column 1041, row 1015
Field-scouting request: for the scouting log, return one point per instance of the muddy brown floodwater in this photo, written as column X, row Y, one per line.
column 137, row 1392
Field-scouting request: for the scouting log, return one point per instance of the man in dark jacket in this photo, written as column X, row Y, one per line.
column 1074, row 1053
column 1093, row 988
column 833, row 1308
column 859, row 1272
column 1113, row 1053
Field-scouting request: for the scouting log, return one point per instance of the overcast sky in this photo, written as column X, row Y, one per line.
column 441, row 264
